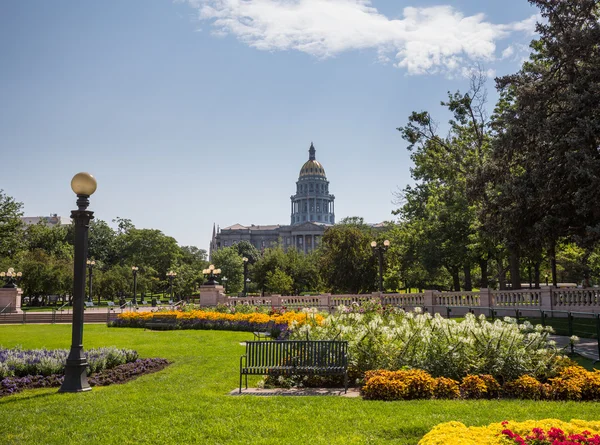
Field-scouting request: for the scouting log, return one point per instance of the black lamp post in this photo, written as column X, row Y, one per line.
column 134, row 270
column 546, row 280
column 378, row 250
column 84, row 185
column 11, row 278
column 224, row 280
column 246, row 280
column 171, row 275
column 90, row 266
column 211, row 273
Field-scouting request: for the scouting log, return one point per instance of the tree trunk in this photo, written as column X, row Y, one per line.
column 501, row 273
column 483, row 266
column 515, row 269
column 552, row 255
column 455, row 278
column 536, row 274
column 467, row 271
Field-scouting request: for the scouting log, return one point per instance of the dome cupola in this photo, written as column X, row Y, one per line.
column 312, row 201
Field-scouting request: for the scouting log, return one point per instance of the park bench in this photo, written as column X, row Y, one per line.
column 267, row 333
column 295, row 357
column 162, row 321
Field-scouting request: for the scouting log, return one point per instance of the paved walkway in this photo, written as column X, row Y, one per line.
column 586, row 347
column 352, row 392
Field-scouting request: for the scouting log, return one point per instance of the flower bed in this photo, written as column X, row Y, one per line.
column 391, row 339
column 119, row 374
column 17, row 362
column 204, row 319
column 571, row 383
column 524, row 433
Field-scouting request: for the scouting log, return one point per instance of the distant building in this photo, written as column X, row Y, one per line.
column 312, row 211
column 52, row 220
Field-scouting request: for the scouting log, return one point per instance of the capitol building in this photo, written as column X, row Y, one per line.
column 312, row 210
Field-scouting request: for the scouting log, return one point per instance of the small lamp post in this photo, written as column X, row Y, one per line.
column 84, row 185
column 246, row 279
column 212, row 273
column 90, row 266
column 11, row 278
column 171, row 275
column 224, row 280
column 379, row 250
column 546, row 280
column 134, row 270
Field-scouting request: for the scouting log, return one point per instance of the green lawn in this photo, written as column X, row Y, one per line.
column 189, row 402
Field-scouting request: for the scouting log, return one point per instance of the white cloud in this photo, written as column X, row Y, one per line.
column 425, row 40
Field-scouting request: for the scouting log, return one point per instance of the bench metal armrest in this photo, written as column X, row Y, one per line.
column 242, row 358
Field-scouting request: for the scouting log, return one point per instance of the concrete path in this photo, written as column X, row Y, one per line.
column 586, row 347
column 352, row 392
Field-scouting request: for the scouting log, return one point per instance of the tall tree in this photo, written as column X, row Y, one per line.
column 450, row 183
column 10, row 225
column 546, row 157
column 346, row 262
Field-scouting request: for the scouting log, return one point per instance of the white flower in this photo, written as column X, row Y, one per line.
column 574, row 339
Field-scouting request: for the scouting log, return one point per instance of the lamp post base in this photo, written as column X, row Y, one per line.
column 75, row 377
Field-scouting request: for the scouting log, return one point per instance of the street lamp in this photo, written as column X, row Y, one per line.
column 134, row 270
column 378, row 250
column 546, row 280
column 90, row 266
column 11, row 278
column 212, row 275
column 224, row 280
column 246, row 279
column 84, row 185
column 171, row 275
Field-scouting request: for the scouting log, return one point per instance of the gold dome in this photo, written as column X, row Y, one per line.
column 312, row 168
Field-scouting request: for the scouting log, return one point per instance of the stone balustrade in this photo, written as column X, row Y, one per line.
column 546, row 298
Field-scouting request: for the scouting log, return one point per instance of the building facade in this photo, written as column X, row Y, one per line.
column 312, row 211
column 52, row 220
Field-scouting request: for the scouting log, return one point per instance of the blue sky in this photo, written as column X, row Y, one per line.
column 197, row 112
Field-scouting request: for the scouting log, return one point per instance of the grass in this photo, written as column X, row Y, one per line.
column 189, row 403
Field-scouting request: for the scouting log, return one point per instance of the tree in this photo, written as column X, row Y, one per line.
column 247, row 250
column 150, row 248
column 51, row 239
column 346, row 261
column 546, row 158
column 279, row 282
column 10, row 225
column 230, row 262
column 441, row 208
column 102, row 243
column 193, row 256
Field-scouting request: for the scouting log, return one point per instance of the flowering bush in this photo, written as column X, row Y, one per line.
column 398, row 385
column 417, row 384
column 17, row 362
column 576, row 383
column 454, row 433
column 393, row 339
column 526, row 387
column 554, row 436
column 446, row 388
column 473, row 387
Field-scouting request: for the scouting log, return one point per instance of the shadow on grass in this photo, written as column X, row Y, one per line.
column 27, row 395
